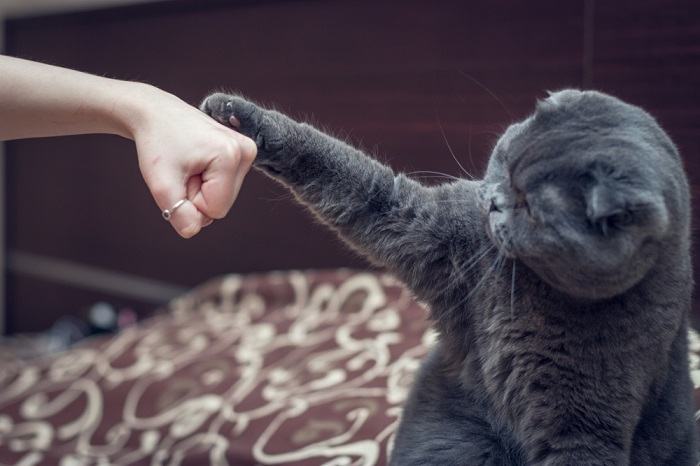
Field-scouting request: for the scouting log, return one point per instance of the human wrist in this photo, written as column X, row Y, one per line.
column 134, row 106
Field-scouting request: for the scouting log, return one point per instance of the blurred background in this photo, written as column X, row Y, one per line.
column 408, row 81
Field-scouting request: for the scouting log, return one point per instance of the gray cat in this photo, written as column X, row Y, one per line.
column 560, row 284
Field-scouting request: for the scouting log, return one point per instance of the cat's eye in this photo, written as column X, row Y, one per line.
column 521, row 202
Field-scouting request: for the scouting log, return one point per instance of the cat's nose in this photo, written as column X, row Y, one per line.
column 498, row 203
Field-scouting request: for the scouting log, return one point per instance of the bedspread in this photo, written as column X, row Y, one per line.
column 283, row 368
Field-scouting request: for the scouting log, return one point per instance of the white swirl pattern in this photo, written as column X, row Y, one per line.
column 284, row 368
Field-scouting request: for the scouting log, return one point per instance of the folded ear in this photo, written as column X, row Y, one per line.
column 607, row 207
column 610, row 206
column 602, row 202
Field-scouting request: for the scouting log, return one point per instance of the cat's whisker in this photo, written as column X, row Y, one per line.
column 456, row 282
column 437, row 174
column 449, row 148
column 496, row 134
column 469, row 147
column 475, row 260
column 489, row 272
column 460, row 272
column 486, row 275
column 454, row 201
column 512, row 291
column 501, row 265
column 430, row 177
column 482, row 86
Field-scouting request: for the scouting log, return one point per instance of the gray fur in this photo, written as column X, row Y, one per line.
column 560, row 284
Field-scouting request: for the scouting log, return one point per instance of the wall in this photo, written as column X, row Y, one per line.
column 15, row 9
column 411, row 84
column 2, row 201
column 24, row 8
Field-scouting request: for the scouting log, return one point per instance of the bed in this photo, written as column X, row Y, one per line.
column 294, row 368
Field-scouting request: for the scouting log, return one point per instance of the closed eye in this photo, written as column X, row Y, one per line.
column 521, row 202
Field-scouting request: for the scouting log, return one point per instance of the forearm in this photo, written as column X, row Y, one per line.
column 182, row 154
column 38, row 100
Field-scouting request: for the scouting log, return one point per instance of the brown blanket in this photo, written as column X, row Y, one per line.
column 284, row 368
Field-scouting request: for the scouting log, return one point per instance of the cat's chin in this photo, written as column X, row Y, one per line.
column 584, row 288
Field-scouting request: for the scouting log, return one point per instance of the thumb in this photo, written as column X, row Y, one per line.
column 168, row 190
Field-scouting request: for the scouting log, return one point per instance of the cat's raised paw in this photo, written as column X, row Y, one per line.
column 233, row 111
column 261, row 125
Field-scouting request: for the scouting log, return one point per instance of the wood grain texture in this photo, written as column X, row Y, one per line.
column 389, row 77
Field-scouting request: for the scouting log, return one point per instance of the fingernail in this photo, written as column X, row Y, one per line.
column 207, row 223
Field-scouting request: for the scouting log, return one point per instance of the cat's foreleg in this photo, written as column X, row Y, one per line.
column 399, row 223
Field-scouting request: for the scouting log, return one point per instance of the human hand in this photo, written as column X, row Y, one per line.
column 184, row 154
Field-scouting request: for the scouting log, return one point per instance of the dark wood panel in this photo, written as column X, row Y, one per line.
column 386, row 76
column 648, row 53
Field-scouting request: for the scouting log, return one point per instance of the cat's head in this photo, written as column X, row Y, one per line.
column 588, row 192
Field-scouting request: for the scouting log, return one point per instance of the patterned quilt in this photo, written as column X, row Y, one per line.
column 284, row 368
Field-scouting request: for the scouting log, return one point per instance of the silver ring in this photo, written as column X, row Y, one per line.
column 168, row 213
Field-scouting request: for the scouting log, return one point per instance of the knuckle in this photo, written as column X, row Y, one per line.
column 249, row 151
column 233, row 146
column 229, row 157
column 240, row 150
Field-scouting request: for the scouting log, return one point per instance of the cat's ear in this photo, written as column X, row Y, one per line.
column 609, row 205
column 562, row 97
column 606, row 207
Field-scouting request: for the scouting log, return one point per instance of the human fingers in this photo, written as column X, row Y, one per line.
column 222, row 177
column 169, row 190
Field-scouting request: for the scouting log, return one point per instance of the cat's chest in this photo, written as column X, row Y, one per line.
column 507, row 341
column 525, row 354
